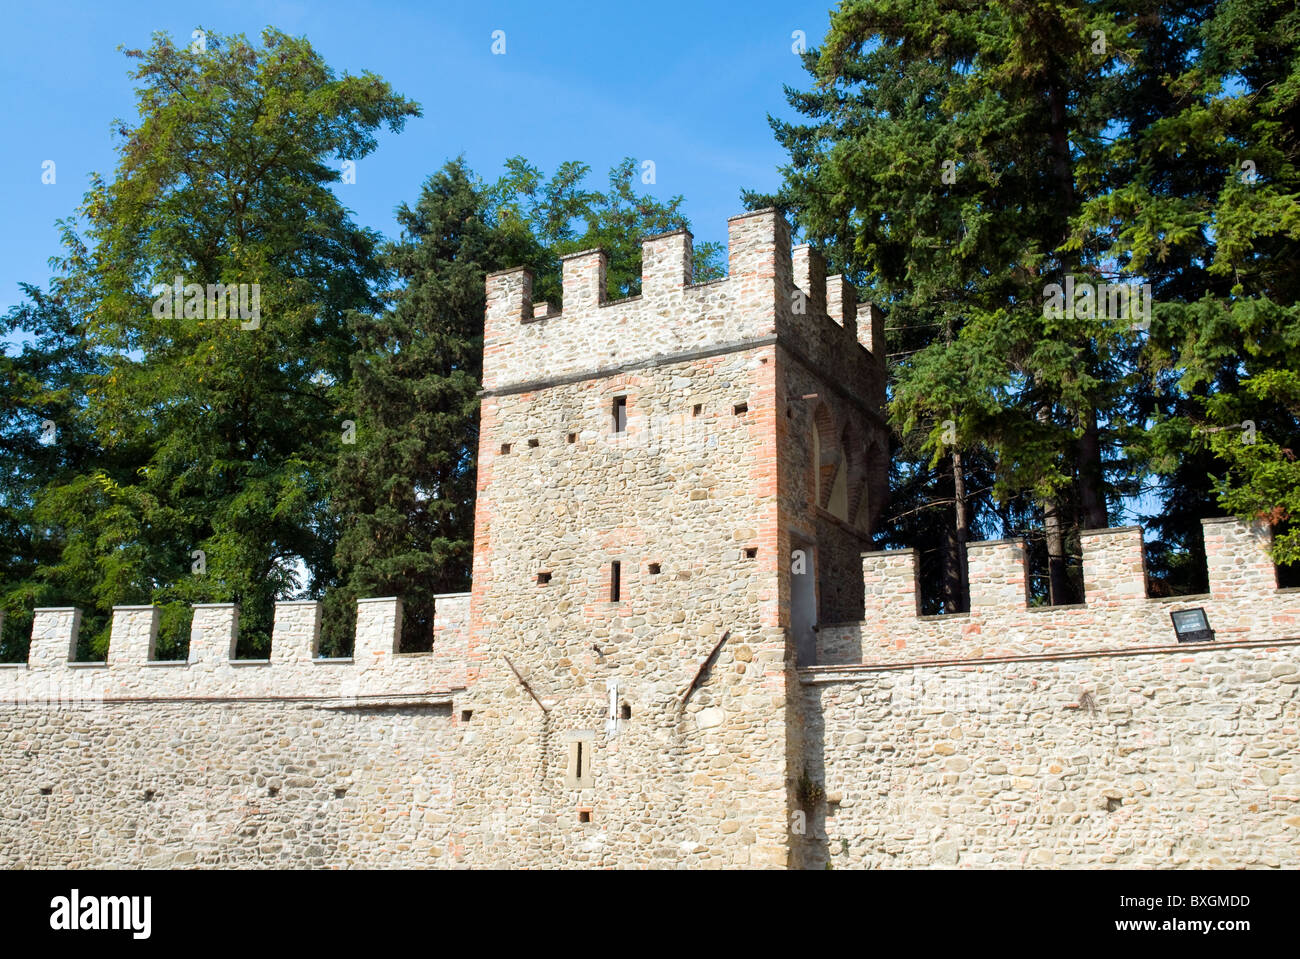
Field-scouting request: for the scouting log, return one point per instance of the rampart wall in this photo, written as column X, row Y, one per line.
column 1083, row 736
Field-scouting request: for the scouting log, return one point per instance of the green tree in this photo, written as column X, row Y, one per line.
column 948, row 150
column 44, row 440
column 231, row 422
column 1209, row 208
column 566, row 217
column 405, row 488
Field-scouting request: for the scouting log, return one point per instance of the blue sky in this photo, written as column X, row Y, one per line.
column 687, row 85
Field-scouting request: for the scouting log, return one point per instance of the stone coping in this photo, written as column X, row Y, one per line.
column 813, row 675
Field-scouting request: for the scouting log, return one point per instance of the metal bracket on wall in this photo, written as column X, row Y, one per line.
column 686, row 693
column 523, row 682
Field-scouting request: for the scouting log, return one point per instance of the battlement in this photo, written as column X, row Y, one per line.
column 770, row 293
column 1244, row 603
column 294, row 669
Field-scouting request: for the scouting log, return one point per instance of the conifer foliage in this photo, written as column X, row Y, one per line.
column 1084, row 279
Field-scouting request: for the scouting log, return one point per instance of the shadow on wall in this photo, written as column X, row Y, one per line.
column 808, row 834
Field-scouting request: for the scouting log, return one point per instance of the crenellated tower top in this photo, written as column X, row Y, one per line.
column 770, row 291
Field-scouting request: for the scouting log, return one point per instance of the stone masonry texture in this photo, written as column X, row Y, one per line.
column 680, row 649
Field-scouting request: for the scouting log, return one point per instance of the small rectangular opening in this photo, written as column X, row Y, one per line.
column 697, row 409
column 505, row 448
column 751, row 552
column 620, row 414
column 573, row 437
column 740, row 409
column 466, row 715
column 532, row 444
column 543, row 578
column 615, row 581
column 584, row 815
column 654, row 569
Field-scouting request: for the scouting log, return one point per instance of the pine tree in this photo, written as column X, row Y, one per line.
column 948, row 151
column 1209, row 209
column 405, row 487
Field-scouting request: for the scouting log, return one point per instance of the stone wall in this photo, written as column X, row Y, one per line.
column 1179, row 758
column 848, row 438
column 238, row 783
column 1063, row 736
column 293, row 761
column 675, row 500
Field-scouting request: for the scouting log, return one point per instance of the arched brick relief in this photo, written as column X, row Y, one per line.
column 826, row 455
column 855, row 456
column 875, row 484
column 837, row 501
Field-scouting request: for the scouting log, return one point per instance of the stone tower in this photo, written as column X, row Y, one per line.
column 673, row 489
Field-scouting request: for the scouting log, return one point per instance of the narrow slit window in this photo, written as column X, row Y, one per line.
column 577, row 773
column 615, row 581
column 620, row 414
